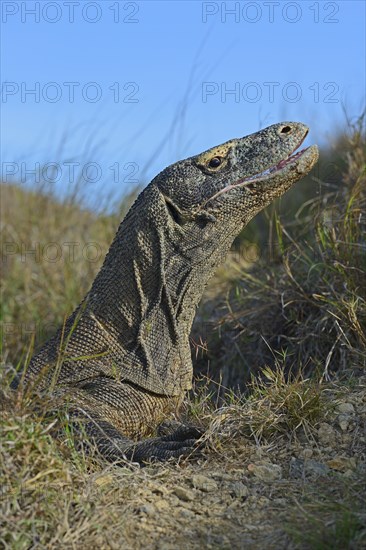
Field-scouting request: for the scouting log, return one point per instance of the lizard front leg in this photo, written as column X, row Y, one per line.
column 115, row 415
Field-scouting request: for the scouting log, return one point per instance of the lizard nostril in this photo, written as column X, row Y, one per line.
column 286, row 130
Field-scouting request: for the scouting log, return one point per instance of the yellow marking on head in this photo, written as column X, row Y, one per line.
column 219, row 151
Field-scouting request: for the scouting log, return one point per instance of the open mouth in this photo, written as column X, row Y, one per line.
column 291, row 158
column 250, row 182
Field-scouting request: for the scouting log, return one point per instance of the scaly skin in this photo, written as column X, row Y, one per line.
column 122, row 362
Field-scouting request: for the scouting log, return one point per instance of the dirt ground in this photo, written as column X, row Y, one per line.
column 307, row 491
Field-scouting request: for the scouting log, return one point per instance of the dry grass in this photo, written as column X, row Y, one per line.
column 53, row 497
column 330, row 518
column 51, row 252
column 290, row 332
column 304, row 300
column 274, row 407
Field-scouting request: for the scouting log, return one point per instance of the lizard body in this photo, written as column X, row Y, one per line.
column 123, row 361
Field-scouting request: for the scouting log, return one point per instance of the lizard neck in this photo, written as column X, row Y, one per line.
column 148, row 289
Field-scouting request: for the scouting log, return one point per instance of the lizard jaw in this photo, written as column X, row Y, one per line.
column 286, row 172
column 293, row 161
column 301, row 162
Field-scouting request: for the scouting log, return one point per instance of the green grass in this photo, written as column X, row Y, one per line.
column 330, row 522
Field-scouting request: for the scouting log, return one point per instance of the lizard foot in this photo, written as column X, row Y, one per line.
column 181, row 442
column 176, row 431
column 174, row 439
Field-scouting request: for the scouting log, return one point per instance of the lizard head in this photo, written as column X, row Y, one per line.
column 235, row 180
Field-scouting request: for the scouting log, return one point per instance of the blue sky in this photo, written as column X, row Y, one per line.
column 150, row 82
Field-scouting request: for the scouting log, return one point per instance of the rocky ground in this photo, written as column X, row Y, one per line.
column 302, row 492
column 302, row 488
column 256, row 484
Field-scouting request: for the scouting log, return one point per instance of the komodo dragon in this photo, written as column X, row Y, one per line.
column 122, row 361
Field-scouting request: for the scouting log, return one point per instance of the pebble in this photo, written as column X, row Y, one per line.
column 346, row 408
column 161, row 504
column 307, row 452
column 300, row 468
column 266, row 471
column 326, row 434
column 238, row 489
column 280, row 501
column 219, row 541
column 296, row 468
column 342, row 463
column 343, row 421
column 148, row 509
column 184, row 513
column 184, row 494
column 313, row 467
column 203, row 483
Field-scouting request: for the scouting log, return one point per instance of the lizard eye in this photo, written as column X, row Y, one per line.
column 215, row 162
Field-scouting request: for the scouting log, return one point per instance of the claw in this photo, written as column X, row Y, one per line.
column 162, row 449
column 183, row 432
